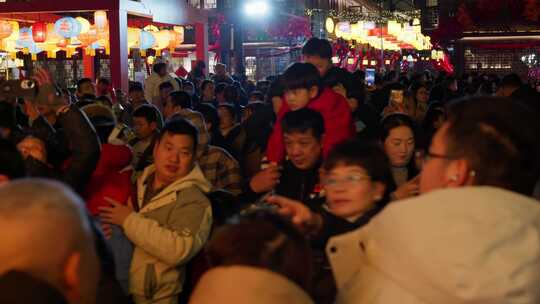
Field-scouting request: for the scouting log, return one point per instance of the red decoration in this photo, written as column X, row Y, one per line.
column 39, row 32
column 294, row 27
column 531, row 10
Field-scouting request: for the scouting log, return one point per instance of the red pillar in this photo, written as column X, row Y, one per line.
column 201, row 42
column 88, row 66
column 119, row 49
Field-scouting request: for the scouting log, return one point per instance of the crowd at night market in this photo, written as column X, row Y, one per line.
column 315, row 185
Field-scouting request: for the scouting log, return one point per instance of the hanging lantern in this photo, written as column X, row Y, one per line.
column 179, row 37
column 52, row 36
column 25, row 38
column 85, row 24
column 89, row 37
column 100, row 20
column 162, row 39
column 134, row 35
column 62, row 43
column 151, row 28
column 68, row 27
column 176, row 39
column 39, row 32
column 146, row 40
column 5, row 29
column 14, row 31
column 329, row 25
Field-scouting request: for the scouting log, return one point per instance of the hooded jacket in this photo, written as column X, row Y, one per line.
column 338, row 124
column 167, row 232
column 108, row 180
column 246, row 285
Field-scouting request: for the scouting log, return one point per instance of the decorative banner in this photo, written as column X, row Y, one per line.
column 68, row 27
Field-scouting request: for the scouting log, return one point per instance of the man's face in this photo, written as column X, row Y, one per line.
column 189, row 89
column 322, row 64
column 303, row 149
column 163, row 72
column 299, row 98
column 87, row 88
column 226, row 119
column 142, row 128
column 34, row 147
column 136, row 97
column 169, row 109
column 209, row 92
column 434, row 170
column 220, row 70
column 164, row 93
column 173, row 157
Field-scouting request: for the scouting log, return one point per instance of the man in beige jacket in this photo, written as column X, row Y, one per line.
column 174, row 218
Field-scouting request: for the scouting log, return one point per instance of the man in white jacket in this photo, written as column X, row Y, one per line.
column 174, row 218
column 472, row 236
column 159, row 76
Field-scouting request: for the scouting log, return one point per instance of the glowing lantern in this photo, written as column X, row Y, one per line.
column 68, row 27
column 89, row 37
column 369, row 25
column 365, row 62
column 329, row 25
column 146, row 40
column 151, row 28
column 179, row 37
column 134, row 35
column 85, row 24
column 39, row 32
column 25, row 38
column 176, row 39
column 100, row 19
column 62, row 43
column 52, row 36
column 14, row 31
column 5, row 29
column 162, row 39
column 343, row 30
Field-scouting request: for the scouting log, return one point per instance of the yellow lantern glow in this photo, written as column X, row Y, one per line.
column 100, row 20
column 162, row 39
column 90, row 36
column 343, row 30
column 329, row 25
column 133, row 37
column 151, row 28
column 15, row 31
column 52, row 36
column 85, row 24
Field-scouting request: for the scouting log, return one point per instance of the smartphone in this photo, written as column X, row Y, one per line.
column 396, row 96
column 370, row 77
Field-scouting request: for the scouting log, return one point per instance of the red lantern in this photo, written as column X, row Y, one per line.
column 39, row 32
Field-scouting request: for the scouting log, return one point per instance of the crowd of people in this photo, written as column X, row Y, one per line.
column 306, row 187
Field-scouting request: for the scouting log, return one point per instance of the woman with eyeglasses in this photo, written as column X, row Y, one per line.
column 357, row 182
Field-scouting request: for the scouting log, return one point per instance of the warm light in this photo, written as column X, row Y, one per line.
column 100, row 20
column 90, row 36
column 256, row 8
column 387, row 62
column 373, row 62
column 150, row 59
column 68, row 27
column 365, row 62
column 6, row 29
column 134, row 35
column 329, row 25
column 25, row 38
column 162, row 39
column 151, row 28
column 85, row 24
column 343, row 30
column 335, row 60
column 350, row 60
column 39, row 32
column 369, row 25
column 15, row 31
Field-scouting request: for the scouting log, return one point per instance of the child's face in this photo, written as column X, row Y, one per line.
column 350, row 192
column 299, row 98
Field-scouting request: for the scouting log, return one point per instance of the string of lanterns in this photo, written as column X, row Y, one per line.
column 353, row 14
column 68, row 34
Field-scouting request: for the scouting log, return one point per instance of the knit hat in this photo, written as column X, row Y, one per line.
column 452, row 246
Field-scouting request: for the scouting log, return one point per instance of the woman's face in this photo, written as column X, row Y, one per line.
column 399, row 146
column 350, row 191
column 226, row 120
column 422, row 95
column 209, row 92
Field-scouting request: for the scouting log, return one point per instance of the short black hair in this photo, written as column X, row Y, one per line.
column 512, row 81
column 181, row 99
column 317, row 47
column 220, row 87
column 135, row 86
column 229, row 107
column 258, row 94
column 499, row 139
column 395, row 120
column 303, row 120
column 166, row 85
column 188, row 83
column 148, row 112
column 368, row 155
column 104, row 80
column 81, row 82
column 11, row 161
column 180, row 126
column 301, row 76
column 205, row 83
column 336, row 76
column 231, row 94
column 210, row 114
column 159, row 66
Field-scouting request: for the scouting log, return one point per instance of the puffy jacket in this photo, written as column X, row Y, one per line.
column 108, row 180
column 338, row 124
column 167, row 232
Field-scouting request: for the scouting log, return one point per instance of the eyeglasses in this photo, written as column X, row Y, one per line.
column 349, row 180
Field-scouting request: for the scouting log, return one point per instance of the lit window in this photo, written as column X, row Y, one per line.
column 432, row 3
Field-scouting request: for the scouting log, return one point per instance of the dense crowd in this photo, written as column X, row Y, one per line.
column 307, row 187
